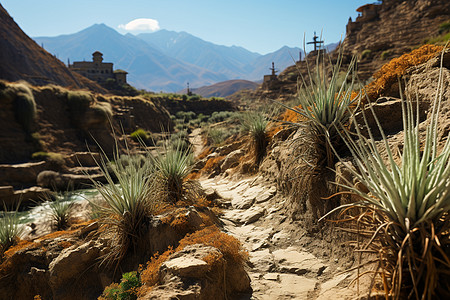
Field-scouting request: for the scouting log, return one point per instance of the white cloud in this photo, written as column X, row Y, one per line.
column 141, row 24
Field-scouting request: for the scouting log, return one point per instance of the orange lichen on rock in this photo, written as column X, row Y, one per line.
column 150, row 275
column 212, row 163
column 389, row 73
column 20, row 245
column 205, row 153
column 212, row 236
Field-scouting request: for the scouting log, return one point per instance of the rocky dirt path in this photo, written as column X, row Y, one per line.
column 279, row 268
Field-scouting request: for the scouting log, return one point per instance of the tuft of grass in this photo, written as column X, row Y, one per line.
column 79, row 101
column 325, row 103
column 140, row 135
column 256, row 125
column 10, row 229
column 412, row 200
column 173, row 163
column 61, row 209
column 127, row 203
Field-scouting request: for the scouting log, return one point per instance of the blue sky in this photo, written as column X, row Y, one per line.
column 259, row 25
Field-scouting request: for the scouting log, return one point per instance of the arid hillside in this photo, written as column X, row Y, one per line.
column 22, row 59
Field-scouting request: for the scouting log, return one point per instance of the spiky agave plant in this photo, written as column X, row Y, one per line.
column 127, row 203
column 325, row 103
column 10, row 229
column 412, row 200
column 60, row 209
column 172, row 163
column 256, row 124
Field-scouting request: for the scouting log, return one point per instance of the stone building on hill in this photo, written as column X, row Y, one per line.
column 98, row 70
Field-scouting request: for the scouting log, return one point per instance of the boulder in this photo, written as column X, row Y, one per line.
column 232, row 159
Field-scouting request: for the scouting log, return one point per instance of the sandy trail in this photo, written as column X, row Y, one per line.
column 278, row 268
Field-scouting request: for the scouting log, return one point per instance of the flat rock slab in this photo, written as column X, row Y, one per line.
column 288, row 286
column 290, row 260
column 187, row 266
column 244, row 216
column 262, row 260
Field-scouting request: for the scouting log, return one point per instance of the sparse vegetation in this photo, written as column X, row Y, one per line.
column 140, row 135
column 79, row 101
column 24, row 106
column 127, row 206
column 125, row 290
column 173, row 162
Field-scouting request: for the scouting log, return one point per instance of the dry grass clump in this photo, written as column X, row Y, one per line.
column 386, row 79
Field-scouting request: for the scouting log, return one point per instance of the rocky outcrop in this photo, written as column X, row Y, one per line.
column 391, row 28
column 186, row 275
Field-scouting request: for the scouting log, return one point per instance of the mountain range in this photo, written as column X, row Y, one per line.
column 167, row 60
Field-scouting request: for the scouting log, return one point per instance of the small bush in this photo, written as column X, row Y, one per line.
column 127, row 203
column 126, row 290
column 140, row 135
column 256, row 124
column 215, row 136
column 173, row 163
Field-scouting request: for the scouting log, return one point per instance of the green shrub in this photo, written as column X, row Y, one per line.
column 366, row 53
column 127, row 202
column 216, row 136
column 56, row 160
column 194, row 98
column 140, row 135
column 24, row 106
column 173, row 162
column 126, row 290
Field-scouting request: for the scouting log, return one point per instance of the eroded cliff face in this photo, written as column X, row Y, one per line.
column 393, row 27
column 64, row 127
